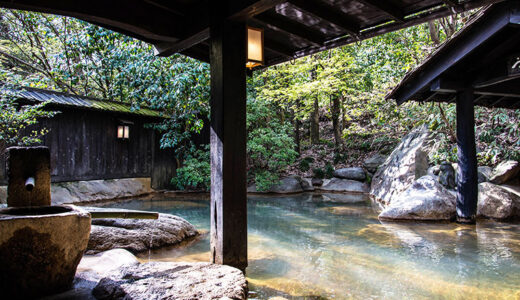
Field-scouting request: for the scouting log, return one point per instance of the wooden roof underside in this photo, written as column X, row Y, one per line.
column 480, row 57
column 293, row 28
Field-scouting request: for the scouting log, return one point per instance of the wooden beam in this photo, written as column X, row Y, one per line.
column 228, row 140
column 467, row 175
column 451, row 3
column 498, row 101
column 277, row 47
column 442, row 85
column 292, row 27
column 245, row 10
column 144, row 20
column 496, row 80
column 237, row 11
column 386, row 7
column 328, row 13
column 167, row 49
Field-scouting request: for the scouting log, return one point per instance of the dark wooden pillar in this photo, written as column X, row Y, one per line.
column 228, row 140
column 467, row 176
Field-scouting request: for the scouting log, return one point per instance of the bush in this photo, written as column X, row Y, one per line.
column 195, row 172
column 329, row 170
column 305, row 164
column 318, row 173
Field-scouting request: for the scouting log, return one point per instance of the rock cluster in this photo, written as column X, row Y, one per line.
column 138, row 235
column 117, row 274
column 402, row 193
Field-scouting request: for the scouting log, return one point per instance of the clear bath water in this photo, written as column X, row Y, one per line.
column 303, row 247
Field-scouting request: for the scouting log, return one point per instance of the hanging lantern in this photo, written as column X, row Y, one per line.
column 255, row 47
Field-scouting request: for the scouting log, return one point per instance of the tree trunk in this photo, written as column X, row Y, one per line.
column 297, row 125
column 335, row 112
column 342, row 106
column 315, row 116
column 434, row 32
column 315, row 123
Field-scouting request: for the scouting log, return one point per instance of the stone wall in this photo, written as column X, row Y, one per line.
column 94, row 190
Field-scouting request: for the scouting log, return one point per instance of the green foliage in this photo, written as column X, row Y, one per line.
column 329, row 170
column 318, row 173
column 195, row 173
column 270, row 148
column 265, row 179
column 16, row 121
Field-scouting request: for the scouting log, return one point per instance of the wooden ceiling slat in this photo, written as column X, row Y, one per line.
column 292, row 27
column 386, row 7
column 327, row 13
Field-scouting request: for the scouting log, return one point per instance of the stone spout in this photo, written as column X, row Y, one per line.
column 29, row 184
column 29, row 176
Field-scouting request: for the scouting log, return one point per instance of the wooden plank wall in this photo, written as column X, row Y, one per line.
column 84, row 146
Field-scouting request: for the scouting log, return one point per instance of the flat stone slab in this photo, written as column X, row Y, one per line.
column 355, row 173
column 137, row 235
column 344, row 185
column 168, row 280
column 98, row 190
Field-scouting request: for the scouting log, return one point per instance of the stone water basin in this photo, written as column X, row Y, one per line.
column 40, row 248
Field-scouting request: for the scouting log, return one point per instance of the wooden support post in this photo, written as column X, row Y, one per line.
column 467, row 176
column 228, row 140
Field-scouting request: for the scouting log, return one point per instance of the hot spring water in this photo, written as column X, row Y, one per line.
column 303, row 246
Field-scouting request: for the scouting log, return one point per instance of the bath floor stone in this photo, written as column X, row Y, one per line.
column 168, row 280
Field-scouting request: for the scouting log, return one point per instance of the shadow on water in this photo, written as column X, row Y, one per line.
column 302, row 245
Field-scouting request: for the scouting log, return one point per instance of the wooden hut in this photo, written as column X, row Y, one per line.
column 480, row 65
column 92, row 139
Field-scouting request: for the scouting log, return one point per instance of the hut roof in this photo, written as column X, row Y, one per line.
column 69, row 100
column 483, row 57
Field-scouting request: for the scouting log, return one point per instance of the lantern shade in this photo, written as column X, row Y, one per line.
column 255, row 47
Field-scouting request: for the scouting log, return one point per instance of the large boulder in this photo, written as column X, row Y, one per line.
column 497, row 202
column 484, row 173
column 355, row 173
column 447, row 175
column 505, row 171
column 408, row 162
column 345, row 186
column 424, row 200
column 138, row 235
column 373, row 162
column 168, row 280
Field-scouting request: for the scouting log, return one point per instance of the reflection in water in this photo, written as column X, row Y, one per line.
column 302, row 246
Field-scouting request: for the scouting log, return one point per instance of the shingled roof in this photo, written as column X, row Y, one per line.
column 74, row 101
